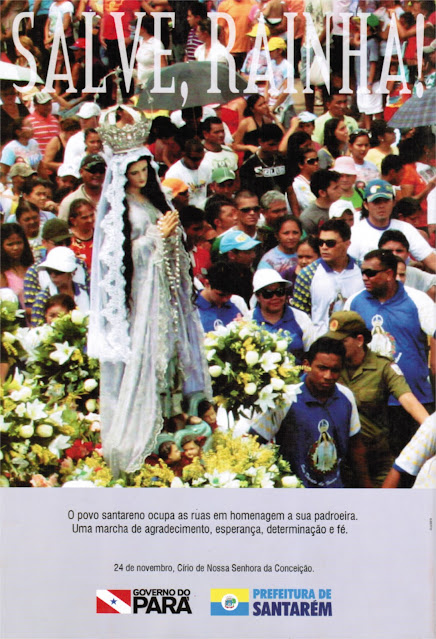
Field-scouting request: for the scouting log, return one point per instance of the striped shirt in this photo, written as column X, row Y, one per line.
column 44, row 129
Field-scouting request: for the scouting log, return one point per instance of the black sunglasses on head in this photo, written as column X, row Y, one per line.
column 279, row 292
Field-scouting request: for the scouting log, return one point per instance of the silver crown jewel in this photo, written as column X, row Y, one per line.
column 123, row 128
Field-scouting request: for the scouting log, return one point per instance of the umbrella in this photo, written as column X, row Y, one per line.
column 17, row 74
column 191, row 83
column 416, row 111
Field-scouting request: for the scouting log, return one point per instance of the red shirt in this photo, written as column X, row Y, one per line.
column 83, row 249
column 108, row 23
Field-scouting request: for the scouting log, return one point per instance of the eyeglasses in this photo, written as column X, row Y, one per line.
column 248, row 209
column 312, row 161
column 328, row 243
column 96, row 169
column 279, row 292
column 372, row 272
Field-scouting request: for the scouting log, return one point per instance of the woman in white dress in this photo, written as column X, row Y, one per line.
column 143, row 326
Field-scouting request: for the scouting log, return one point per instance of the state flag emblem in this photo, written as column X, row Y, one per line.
column 229, row 603
column 114, row 602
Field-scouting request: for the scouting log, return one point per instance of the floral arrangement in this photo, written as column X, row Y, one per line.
column 231, row 462
column 10, row 316
column 250, row 367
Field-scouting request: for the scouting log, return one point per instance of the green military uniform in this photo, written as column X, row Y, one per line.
column 371, row 383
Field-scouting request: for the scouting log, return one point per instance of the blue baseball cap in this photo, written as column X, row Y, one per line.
column 237, row 240
column 378, row 189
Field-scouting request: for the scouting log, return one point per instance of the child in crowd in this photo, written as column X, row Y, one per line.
column 57, row 305
column 207, row 412
column 191, row 449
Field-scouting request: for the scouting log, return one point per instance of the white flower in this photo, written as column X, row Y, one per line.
column 281, row 345
column 77, row 317
column 291, row 481
column 62, row 353
column 209, row 341
column 95, row 427
column 244, row 332
column 266, row 481
column 250, row 388
column 227, row 368
column 277, row 383
column 60, row 443
column 56, row 417
column 251, row 472
column 273, row 469
column 90, row 405
column 269, row 361
column 20, row 410
column 35, row 410
column 4, row 426
column 90, row 384
column 26, row 431
column 177, row 483
column 8, row 337
column 223, row 331
column 226, row 479
column 252, row 357
column 290, row 393
column 21, row 395
column 44, row 430
column 210, row 354
column 266, row 398
column 7, row 295
column 215, row 371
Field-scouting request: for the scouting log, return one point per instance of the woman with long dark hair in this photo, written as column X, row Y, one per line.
column 143, row 326
column 15, row 258
column 336, row 138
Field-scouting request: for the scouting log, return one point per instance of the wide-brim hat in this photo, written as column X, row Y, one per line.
column 60, row 259
column 267, row 276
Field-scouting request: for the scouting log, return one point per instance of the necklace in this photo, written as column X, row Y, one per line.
column 172, row 271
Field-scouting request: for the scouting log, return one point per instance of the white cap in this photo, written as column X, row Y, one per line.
column 65, row 170
column 307, row 116
column 89, row 110
column 267, row 276
column 338, row 208
column 61, row 259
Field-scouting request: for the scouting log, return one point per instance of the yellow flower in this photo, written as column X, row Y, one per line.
column 77, row 356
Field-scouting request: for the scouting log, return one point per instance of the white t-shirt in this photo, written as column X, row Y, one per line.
column 216, row 52
column 197, row 181
column 145, row 58
column 365, row 238
column 226, row 157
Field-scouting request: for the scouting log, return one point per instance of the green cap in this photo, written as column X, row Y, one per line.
column 345, row 323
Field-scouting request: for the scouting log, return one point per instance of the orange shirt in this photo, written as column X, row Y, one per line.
column 238, row 10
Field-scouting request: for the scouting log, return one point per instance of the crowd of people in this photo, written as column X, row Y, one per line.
column 320, row 223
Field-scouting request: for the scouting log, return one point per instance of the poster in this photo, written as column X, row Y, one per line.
column 283, row 564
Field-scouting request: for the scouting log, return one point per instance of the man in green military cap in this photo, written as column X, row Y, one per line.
column 372, row 378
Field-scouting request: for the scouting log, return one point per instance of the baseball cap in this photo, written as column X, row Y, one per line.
column 42, row 97
column 22, row 169
column 222, row 174
column 267, row 276
column 173, row 187
column 276, row 43
column 307, row 116
column 345, row 164
column 338, row 208
column 65, row 170
column 378, row 189
column 61, row 259
column 342, row 324
column 255, row 29
column 237, row 240
column 55, row 230
column 92, row 159
column 80, row 43
column 89, row 110
column 373, row 21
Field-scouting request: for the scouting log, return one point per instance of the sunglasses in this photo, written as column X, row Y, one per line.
column 96, row 169
column 312, row 161
column 328, row 243
column 372, row 272
column 248, row 209
column 279, row 292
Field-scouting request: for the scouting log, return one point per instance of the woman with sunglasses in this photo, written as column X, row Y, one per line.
column 273, row 313
column 358, row 148
column 283, row 257
column 336, row 138
column 308, row 163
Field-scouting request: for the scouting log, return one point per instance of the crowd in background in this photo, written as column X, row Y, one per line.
column 295, row 216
